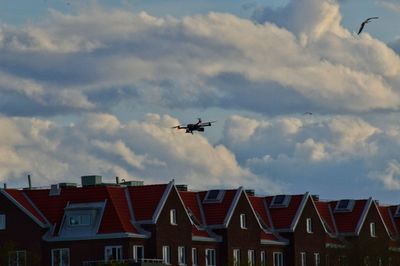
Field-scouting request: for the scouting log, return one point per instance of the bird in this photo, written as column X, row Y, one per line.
column 307, row 113
column 368, row 20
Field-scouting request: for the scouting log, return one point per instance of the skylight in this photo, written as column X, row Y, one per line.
column 345, row 205
column 280, row 201
column 215, row 195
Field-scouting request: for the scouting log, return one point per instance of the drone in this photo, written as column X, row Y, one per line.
column 199, row 126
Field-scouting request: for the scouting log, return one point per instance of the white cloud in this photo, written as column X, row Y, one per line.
column 390, row 177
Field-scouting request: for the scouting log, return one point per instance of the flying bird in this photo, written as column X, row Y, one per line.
column 307, row 113
column 368, row 20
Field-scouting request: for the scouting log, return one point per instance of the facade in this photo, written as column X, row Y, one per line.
column 168, row 224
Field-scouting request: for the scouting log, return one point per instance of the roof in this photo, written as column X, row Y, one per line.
column 259, row 206
column 326, row 214
column 283, row 218
column 116, row 216
column 350, row 222
column 191, row 201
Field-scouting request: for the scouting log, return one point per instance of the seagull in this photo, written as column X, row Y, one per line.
column 307, row 113
column 368, row 20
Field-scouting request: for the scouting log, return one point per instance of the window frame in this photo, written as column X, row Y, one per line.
column 372, row 229
column 251, row 257
column 243, row 221
column 3, row 221
column 135, row 252
column 309, row 226
column 317, row 259
column 80, row 220
column 303, row 258
column 59, row 250
column 119, row 255
column 263, row 258
column 236, row 257
column 166, row 254
column 195, row 258
column 277, row 258
column 172, row 217
column 182, row 254
column 17, row 253
column 213, row 257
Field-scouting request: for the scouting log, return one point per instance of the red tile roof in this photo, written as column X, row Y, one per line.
column 260, row 208
column 215, row 213
column 282, row 218
column 347, row 222
column 190, row 200
column 198, row 232
column 116, row 217
column 21, row 199
column 387, row 219
column 326, row 214
column 265, row 235
column 145, row 200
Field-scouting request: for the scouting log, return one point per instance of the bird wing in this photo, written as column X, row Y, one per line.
column 372, row 18
column 361, row 28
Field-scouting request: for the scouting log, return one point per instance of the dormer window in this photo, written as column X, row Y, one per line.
column 243, row 222
column 309, row 226
column 214, row 196
column 280, row 201
column 172, row 216
column 79, row 220
column 372, row 229
column 345, row 205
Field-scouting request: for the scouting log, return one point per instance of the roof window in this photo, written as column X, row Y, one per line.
column 280, row 201
column 215, row 195
column 345, row 205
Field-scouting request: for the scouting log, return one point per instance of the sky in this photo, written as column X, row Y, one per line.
column 94, row 87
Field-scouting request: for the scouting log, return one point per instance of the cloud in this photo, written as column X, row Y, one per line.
column 295, row 58
column 391, row 5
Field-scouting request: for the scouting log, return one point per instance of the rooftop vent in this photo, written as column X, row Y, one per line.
column 315, row 197
column 67, row 185
column 55, row 190
column 182, row 187
column 91, row 180
column 280, row 201
column 132, row 183
column 250, row 192
column 214, row 195
column 345, row 205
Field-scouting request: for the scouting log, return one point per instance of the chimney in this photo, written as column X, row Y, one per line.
column 315, row 197
column 5, row 185
column 250, row 192
column 29, row 182
column 117, row 180
column 55, row 190
column 91, row 180
column 182, row 187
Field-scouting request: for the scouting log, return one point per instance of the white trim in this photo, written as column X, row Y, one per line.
column 274, row 263
column 214, row 257
column 183, row 204
column 243, row 221
column 372, row 229
column 98, row 236
column 232, row 207
column 322, row 220
column 299, row 212
column 383, row 222
column 172, row 217
column 35, row 207
column 59, row 249
column 130, row 208
column 23, row 209
column 274, row 242
column 363, row 216
column 205, row 239
column 182, row 252
column 309, row 226
column 203, row 216
column 333, row 219
column 195, row 262
column 117, row 247
column 162, row 202
column 135, row 253
column 268, row 212
column 254, row 212
column 166, row 254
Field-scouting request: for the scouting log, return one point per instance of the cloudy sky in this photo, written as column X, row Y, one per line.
column 89, row 87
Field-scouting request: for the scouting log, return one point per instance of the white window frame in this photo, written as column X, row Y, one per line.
column 212, row 254
column 317, row 259
column 195, row 258
column 303, row 259
column 135, row 252
column 60, row 252
column 119, row 254
column 263, row 258
column 251, row 257
column 309, row 226
column 18, row 254
column 2, row 222
column 236, row 257
column 278, row 258
column 182, row 255
column 243, row 221
column 172, row 216
column 166, row 255
column 372, row 229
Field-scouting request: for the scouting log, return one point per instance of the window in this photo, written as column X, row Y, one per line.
column 345, row 205
column 79, row 220
column 317, row 259
column 181, row 255
column 172, row 216
column 138, row 253
column 166, row 255
column 17, row 258
column 280, row 201
column 113, row 253
column 251, row 259
column 243, row 223
column 210, row 257
column 215, row 195
column 194, row 257
column 2, row 221
column 278, row 258
column 236, row 257
column 303, row 258
column 372, row 229
column 380, row 262
column 263, row 259
column 60, row 257
column 366, row 261
column 309, row 226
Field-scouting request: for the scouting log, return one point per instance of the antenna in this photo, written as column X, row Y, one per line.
column 29, row 182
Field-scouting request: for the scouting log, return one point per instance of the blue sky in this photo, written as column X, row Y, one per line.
column 89, row 87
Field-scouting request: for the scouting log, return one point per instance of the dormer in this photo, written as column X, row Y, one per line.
column 280, row 201
column 81, row 219
column 345, row 205
column 214, row 196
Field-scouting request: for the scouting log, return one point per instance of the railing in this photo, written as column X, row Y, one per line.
column 128, row 262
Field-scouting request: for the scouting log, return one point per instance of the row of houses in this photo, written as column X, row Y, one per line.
column 97, row 223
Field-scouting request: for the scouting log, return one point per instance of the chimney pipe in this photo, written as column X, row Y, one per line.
column 117, row 180
column 5, row 185
column 29, row 181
